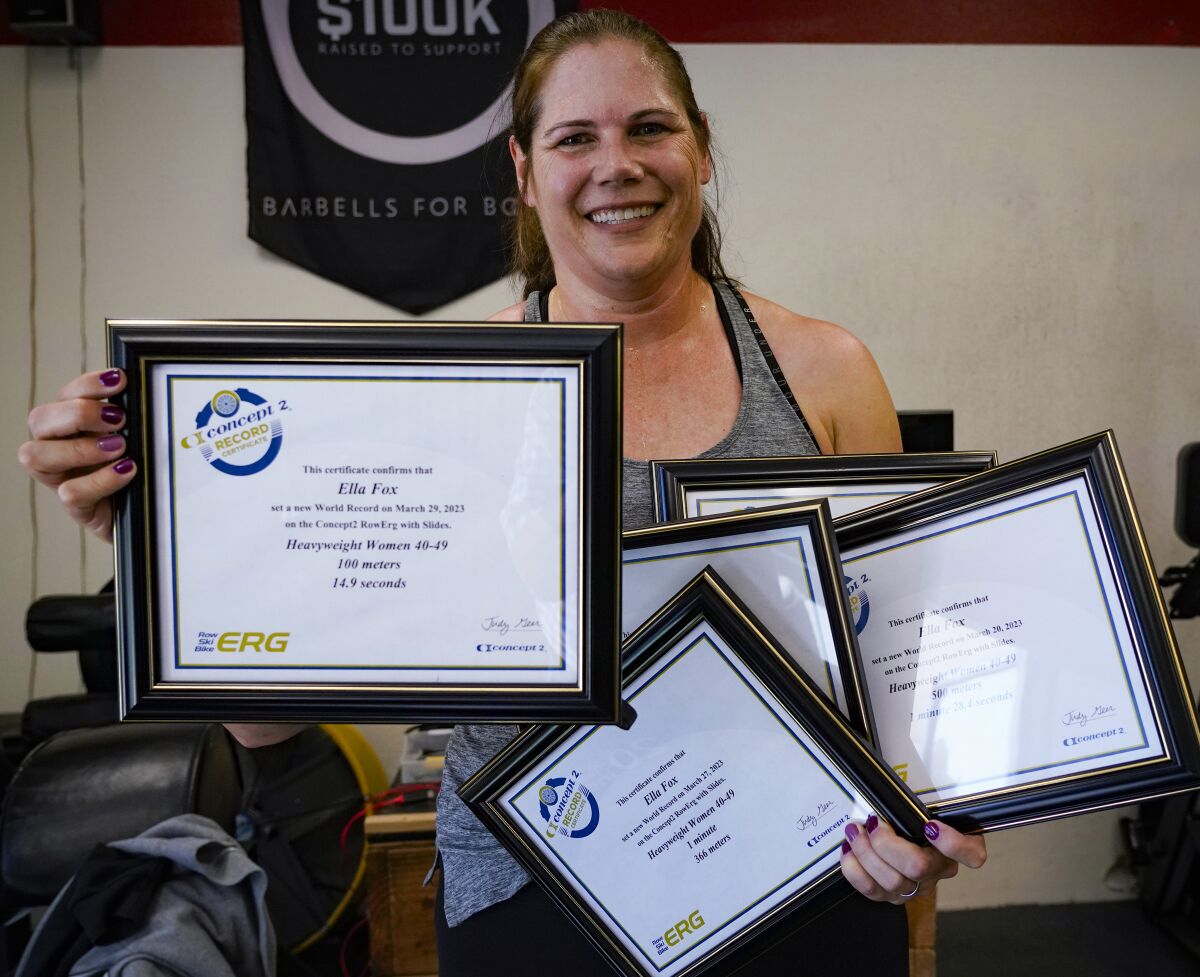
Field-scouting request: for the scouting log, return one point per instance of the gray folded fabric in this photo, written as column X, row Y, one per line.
column 209, row 919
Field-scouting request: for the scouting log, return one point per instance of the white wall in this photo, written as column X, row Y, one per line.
column 1013, row 231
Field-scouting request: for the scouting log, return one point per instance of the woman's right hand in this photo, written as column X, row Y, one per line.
column 76, row 450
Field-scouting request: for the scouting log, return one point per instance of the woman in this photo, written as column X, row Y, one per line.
column 611, row 155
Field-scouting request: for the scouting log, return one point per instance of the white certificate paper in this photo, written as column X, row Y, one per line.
column 400, row 524
column 844, row 498
column 712, row 810
column 773, row 571
column 995, row 648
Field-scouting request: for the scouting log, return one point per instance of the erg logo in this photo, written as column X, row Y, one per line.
column 236, row 641
column 386, row 23
column 685, row 927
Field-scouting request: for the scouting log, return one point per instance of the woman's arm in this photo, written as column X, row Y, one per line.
column 835, row 379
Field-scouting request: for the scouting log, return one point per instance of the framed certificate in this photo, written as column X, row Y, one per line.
column 1018, row 659
column 782, row 562
column 370, row 521
column 714, row 825
column 710, row 486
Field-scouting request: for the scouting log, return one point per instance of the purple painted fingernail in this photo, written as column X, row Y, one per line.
column 110, row 378
column 872, row 824
column 110, row 442
column 123, row 467
column 111, row 414
column 851, row 831
column 845, row 848
column 932, row 830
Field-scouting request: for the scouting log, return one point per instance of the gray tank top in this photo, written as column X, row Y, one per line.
column 477, row 871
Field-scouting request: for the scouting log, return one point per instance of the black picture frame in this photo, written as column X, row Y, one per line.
column 706, row 599
column 731, row 532
column 1139, row 610
column 590, row 351
column 672, row 480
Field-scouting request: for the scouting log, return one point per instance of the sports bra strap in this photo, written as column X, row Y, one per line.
column 769, row 357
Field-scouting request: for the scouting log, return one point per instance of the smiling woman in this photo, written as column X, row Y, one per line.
column 612, row 156
column 667, row 112
column 615, row 175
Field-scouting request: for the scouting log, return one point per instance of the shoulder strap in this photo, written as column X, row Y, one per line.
column 769, row 358
column 730, row 334
column 536, row 309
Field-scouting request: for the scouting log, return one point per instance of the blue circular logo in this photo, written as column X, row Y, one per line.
column 238, row 432
column 568, row 808
column 860, row 604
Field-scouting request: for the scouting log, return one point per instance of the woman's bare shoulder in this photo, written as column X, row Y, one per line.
column 799, row 339
column 835, row 378
column 514, row 313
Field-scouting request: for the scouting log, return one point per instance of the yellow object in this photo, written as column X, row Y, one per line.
column 361, row 757
column 368, row 771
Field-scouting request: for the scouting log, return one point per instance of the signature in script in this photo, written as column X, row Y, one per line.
column 501, row 625
column 1081, row 717
column 807, row 821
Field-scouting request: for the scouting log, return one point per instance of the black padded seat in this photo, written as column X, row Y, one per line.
column 86, row 787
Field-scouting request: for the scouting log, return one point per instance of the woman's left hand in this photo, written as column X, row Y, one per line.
column 886, row 868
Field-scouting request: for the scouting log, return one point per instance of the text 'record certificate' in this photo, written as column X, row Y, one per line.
column 994, row 648
column 393, row 523
column 714, row 809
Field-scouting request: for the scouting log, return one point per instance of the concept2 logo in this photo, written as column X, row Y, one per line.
column 238, row 432
column 568, row 808
column 860, row 606
column 675, row 935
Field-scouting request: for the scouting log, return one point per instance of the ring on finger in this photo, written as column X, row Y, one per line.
column 909, row 895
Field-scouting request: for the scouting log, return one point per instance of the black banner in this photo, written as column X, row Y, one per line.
column 376, row 155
